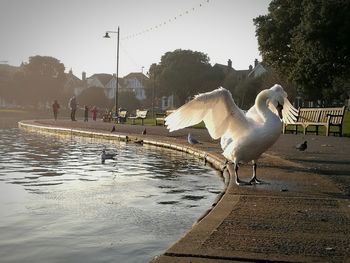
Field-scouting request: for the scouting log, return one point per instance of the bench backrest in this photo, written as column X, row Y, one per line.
column 336, row 115
column 123, row 113
column 168, row 112
column 141, row 113
column 308, row 115
column 321, row 115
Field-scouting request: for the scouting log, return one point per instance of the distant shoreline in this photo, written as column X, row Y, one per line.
column 9, row 118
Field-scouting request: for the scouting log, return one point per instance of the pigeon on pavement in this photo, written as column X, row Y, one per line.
column 301, row 146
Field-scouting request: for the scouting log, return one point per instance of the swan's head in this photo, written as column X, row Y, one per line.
column 277, row 96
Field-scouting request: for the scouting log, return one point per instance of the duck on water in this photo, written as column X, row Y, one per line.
column 107, row 156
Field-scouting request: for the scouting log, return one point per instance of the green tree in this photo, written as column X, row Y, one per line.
column 231, row 81
column 309, row 42
column 151, row 86
column 128, row 100
column 40, row 80
column 93, row 96
column 271, row 78
column 183, row 73
column 246, row 91
column 6, row 82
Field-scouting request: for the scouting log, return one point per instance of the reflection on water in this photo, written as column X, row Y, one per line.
column 58, row 202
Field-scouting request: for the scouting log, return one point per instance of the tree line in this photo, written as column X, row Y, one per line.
column 41, row 79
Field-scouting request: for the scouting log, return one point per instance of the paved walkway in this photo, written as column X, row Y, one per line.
column 301, row 214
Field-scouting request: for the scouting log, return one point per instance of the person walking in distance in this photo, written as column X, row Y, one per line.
column 55, row 107
column 86, row 113
column 94, row 112
column 73, row 107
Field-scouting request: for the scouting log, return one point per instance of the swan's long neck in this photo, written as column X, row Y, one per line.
column 261, row 104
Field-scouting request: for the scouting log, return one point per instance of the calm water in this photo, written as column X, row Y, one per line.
column 58, row 203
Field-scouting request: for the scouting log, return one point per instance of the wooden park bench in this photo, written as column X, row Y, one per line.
column 122, row 115
column 140, row 115
column 107, row 116
column 160, row 117
column 327, row 117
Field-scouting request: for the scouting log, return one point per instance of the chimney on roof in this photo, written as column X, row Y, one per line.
column 229, row 64
column 83, row 75
column 256, row 62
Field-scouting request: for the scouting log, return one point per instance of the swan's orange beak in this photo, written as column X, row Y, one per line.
column 279, row 109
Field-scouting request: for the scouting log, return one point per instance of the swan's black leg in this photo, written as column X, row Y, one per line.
column 255, row 180
column 234, row 170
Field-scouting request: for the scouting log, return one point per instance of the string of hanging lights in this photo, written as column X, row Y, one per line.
column 164, row 23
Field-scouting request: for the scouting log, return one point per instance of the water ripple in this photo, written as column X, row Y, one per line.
column 60, row 202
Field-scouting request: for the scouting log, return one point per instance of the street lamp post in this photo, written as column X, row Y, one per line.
column 116, row 88
column 153, row 87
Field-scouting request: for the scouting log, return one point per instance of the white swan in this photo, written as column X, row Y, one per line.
column 244, row 136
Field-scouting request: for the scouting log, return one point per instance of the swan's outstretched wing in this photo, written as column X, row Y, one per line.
column 216, row 108
column 289, row 113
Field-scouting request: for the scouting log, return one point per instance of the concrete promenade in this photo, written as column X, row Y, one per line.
column 301, row 213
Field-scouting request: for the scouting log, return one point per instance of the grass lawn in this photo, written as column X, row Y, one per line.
column 346, row 124
column 11, row 111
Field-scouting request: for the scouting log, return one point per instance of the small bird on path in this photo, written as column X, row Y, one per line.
column 301, row 146
column 144, row 132
column 113, row 128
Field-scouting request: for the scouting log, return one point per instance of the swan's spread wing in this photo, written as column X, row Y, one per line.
column 289, row 113
column 218, row 111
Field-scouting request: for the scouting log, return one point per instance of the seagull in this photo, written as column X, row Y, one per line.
column 301, row 146
column 192, row 140
column 144, row 132
column 244, row 135
column 113, row 128
column 106, row 156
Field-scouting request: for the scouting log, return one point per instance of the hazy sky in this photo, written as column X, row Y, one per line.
column 72, row 31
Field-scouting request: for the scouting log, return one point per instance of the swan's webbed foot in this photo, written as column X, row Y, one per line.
column 239, row 182
column 234, row 171
column 255, row 180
